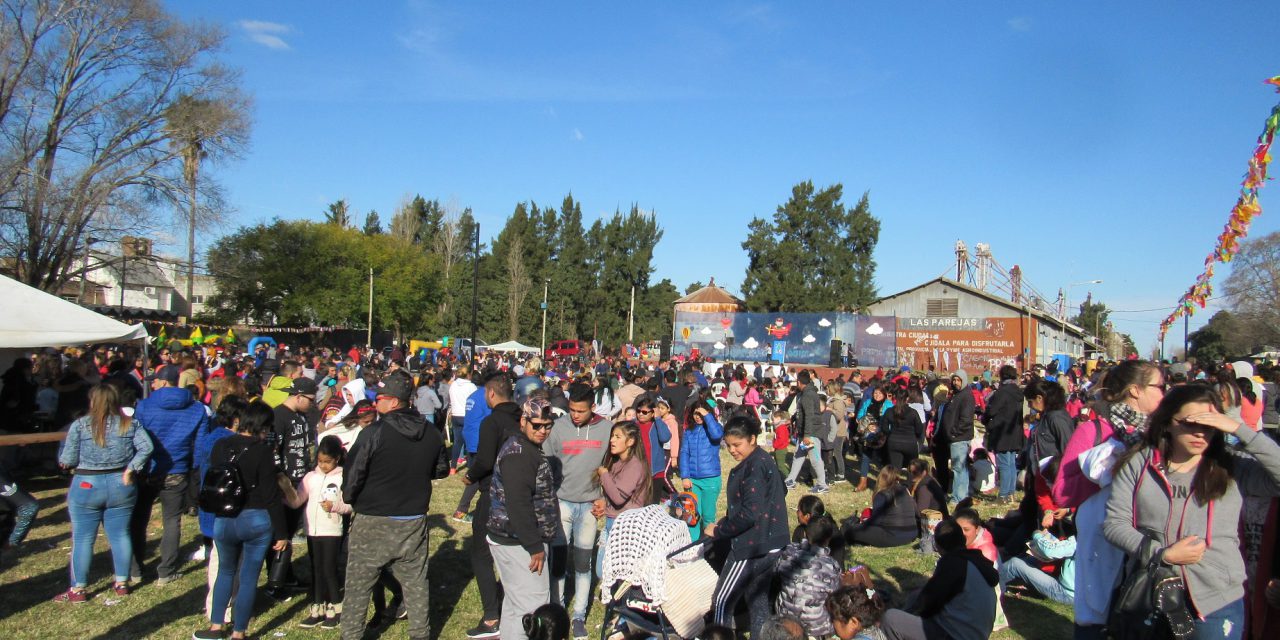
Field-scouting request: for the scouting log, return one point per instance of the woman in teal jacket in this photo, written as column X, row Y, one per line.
column 700, row 460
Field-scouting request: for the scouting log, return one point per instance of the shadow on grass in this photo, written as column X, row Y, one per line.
column 1034, row 618
column 447, row 583
column 160, row 615
column 36, row 589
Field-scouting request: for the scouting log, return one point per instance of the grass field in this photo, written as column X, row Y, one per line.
column 33, row 574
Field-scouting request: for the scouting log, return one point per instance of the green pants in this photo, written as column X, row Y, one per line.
column 780, row 456
column 707, row 491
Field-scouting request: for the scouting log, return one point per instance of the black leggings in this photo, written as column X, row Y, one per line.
column 744, row 578
column 877, row 536
column 324, row 552
column 900, row 455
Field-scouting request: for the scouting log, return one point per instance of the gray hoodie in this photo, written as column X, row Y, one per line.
column 1159, row 500
column 575, row 453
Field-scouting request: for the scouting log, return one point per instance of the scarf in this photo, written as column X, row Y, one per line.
column 1130, row 425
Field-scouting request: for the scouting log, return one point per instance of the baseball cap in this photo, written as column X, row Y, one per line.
column 536, row 408
column 302, row 387
column 396, row 385
column 167, row 373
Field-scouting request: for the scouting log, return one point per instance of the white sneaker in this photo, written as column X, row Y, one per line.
column 199, row 555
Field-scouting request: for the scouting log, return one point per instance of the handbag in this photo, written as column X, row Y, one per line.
column 1151, row 601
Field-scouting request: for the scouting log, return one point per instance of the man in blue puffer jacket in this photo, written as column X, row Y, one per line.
column 173, row 418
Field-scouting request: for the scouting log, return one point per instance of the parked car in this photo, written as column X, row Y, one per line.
column 564, row 348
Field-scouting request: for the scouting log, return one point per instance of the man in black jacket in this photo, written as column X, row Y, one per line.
column 958, row 602
column 1003, row 420
column 810, row 432
column 498, row 427
column 524, row 517
column 388, row 486
column 957, row 422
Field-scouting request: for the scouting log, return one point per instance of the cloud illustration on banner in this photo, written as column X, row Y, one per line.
column 824, row 323
column 751, row 343
column 875, row 329
column 809, row 338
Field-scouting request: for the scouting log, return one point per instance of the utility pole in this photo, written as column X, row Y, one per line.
column 546, row 284
column 1186, row 330
column 475, row 291
column 631, row 318
column 368, row 337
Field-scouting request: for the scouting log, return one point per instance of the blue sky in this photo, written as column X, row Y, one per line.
column 1084, row 140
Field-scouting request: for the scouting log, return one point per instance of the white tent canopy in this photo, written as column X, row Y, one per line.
column 512, row 345
column 37, row 319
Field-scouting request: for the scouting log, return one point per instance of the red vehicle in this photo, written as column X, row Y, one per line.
column 564, row 348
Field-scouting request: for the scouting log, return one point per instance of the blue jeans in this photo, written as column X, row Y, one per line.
column 602, row 545
column 242, row 544
column 455, row 433
column 959, row 471
column 1007, row 467
column 1043, row 583
column 579, row 528
column 103, row 499
column 1226, row 623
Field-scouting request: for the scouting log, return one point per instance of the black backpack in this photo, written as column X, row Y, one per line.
column 223, row 492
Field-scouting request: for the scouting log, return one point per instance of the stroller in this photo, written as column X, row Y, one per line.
column 654, row 579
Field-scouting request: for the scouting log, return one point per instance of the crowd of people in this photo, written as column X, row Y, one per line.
column 1128, row 471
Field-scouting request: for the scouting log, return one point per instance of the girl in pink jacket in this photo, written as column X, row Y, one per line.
column 321, row 491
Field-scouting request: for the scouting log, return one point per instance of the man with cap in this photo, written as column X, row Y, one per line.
column 173, row 418
column 292, row 436
column 524, row 517
column 387, row 482
column 957, row 425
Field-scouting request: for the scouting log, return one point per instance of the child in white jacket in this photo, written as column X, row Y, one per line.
column 321, row 491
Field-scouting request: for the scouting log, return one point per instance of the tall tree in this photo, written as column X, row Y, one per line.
column 572, row 279
column 1218, row 339
column 85, row 86
column 1253, row 289
column 518, row 285
column 338, row 213
column 1093, row 319
column 813, row 255
column 200, row 129
column 372, row 225
column 693, row 286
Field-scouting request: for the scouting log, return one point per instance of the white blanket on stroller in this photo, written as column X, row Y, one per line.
column 639, row 542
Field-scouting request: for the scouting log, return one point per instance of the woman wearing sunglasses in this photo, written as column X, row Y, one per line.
column 1184, row 488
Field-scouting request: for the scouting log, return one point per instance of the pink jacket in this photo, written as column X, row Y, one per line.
column 1073, row 487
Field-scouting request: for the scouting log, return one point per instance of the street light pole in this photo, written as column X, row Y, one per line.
column 1062, row 330
column 546, row 284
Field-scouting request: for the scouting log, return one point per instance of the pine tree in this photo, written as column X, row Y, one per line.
column 814, row 255
column 372, row 225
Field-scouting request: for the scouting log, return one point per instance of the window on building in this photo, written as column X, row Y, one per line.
column 197, row 299
column 942, row 308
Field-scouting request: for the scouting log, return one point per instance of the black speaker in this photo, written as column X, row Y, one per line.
column 837, row 354
column 664, row 352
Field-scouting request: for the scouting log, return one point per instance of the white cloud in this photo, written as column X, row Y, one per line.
column 267, row 34
column 576, row 134
column 1021, row 23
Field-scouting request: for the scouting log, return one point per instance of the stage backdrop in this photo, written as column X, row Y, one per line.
column 796, row 338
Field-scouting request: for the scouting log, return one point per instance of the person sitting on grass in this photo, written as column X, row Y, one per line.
column 892, row 521
column 855, row 613
column 959, row 600
column 1046, row 548
column 808, row 574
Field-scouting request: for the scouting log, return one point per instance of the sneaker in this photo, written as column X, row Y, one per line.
column 311, row 621
column 453, row 472
column 163, row 580
column 332, row 622
column 790, row 485
column 483, row 630
column 580, row 630
column 459, row 516
column 120, row 589
column 209, row 634
column 402, row 612
column 819, row 489
column 71, row 596
column 199, row 555
column 279, row 594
